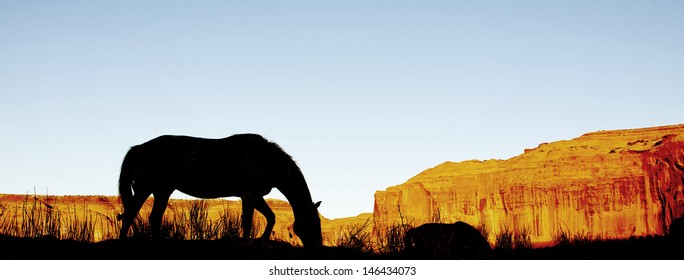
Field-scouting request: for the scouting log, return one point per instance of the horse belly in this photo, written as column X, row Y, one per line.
column 207, row 192
column 209, row 187
column 216, row 187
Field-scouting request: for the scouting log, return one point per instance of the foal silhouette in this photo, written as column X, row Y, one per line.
column 245, row 165
column 447, row 241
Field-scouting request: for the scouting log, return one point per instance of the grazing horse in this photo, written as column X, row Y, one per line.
column 447, row 241
column 245, row 165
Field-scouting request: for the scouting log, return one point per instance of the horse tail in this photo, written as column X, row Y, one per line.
column 126, row 181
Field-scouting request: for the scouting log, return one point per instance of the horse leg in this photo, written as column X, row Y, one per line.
column 247, row 214
column 263, row 208
column 130, row 213
column 161, row 200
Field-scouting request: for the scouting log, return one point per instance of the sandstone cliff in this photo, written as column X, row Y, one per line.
column 612, row 184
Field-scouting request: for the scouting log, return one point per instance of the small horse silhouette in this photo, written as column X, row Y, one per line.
column 447, row 241
column 244, row 165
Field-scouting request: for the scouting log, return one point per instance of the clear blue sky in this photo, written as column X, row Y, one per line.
column 363, row 94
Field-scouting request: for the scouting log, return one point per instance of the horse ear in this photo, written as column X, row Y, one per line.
column 317, row 204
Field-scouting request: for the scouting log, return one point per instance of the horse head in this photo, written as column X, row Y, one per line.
column 307, row 226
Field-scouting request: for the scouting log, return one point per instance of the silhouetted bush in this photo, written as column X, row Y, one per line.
column 355, row 236
column 562, row 238
column 79, row 229
column 393, row 239
column 522, row 239
column 504, row 239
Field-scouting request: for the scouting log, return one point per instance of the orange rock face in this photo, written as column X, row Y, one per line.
column 610, row 184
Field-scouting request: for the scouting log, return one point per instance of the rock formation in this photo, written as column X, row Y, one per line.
column 610, row 184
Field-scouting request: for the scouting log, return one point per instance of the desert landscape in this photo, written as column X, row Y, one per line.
column 603, row 195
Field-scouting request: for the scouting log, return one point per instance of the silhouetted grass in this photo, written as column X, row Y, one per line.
column 504, row 239
column 191, row 221
column 565, row 239
column 355, row 236
column 79, row 229
column 109, row 226
column 393, row 239
column 9, row 225
column 230, row 225
column 522, row 239
column 199, row 224
column 36, row 218
column 36, row 223
column 509, row 240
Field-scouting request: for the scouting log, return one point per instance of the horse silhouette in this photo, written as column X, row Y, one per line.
column 447, row 241
column 244, row 165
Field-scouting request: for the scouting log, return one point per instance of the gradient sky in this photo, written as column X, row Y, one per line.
column 363, row 94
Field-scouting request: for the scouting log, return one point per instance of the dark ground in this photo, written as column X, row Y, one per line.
column 646, row 248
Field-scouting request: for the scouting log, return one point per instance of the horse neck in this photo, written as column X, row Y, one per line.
column 298, row 195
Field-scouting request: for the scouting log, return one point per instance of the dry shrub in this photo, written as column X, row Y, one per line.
column 355, row 236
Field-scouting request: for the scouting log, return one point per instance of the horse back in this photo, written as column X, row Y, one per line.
column 204, row 167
